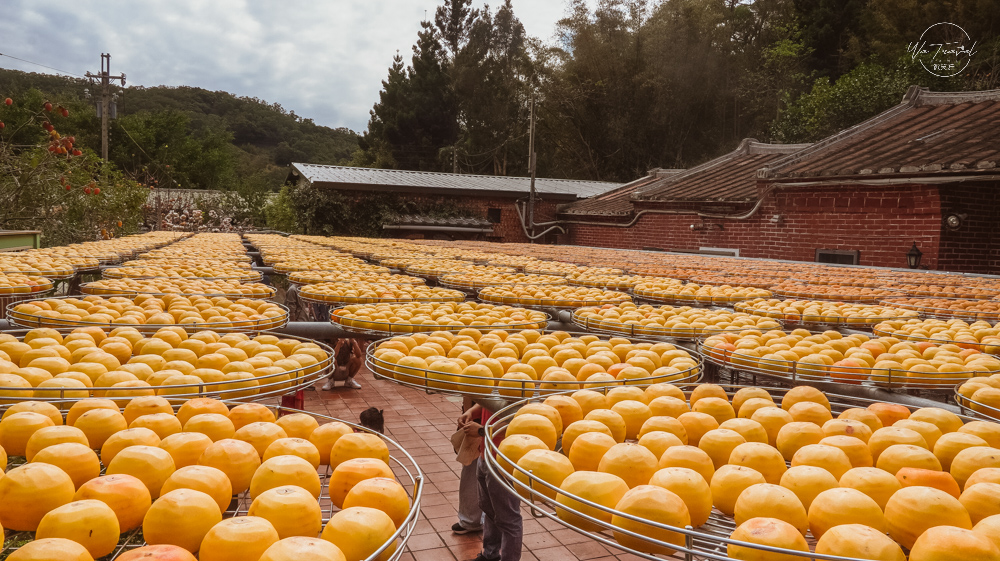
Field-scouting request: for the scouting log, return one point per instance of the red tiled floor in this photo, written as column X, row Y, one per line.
column 422, row 423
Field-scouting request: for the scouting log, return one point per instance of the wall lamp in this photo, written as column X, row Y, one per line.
column 913, row 256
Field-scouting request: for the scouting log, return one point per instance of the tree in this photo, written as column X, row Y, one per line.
column 374, row 149
column 494, row 76
column 829, row 31
column 453, row 19
column 864, row 92
column 50, row 184
column 416, row 114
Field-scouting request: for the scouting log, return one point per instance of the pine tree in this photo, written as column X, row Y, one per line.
column 416, row 115
column 453, row 20
column 374, row 149
column 493, row 75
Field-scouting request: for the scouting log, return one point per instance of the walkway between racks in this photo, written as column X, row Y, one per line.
column 423, row 424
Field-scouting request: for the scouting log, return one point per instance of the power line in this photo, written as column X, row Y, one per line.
column 42, row 65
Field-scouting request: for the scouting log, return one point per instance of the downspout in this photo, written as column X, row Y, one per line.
column 638, row 215
column 524, row 226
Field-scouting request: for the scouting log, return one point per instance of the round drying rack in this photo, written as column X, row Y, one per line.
column 674, row 299
column 263, row 388
column 934, row 312
column 707, row 542
column 94, row 290
column 818, row 321
column 619, row 329
column 795, row 372
column 401, row 462
column 512, row 389
column 30, row 321
column 381, row 329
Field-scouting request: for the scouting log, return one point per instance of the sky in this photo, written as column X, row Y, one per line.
column 324, row 59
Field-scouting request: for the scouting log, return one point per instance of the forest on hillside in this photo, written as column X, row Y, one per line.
column 188, row 137
column 629, row 85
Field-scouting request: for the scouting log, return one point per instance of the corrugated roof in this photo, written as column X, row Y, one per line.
column 391, row 179
column 931, row 133
column 618, row 202
column 732, row 177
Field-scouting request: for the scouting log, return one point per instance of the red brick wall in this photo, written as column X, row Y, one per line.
column 882, row 222
column 507, row 230
column 975, row 245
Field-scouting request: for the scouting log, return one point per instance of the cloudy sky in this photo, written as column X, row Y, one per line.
column 324, row 59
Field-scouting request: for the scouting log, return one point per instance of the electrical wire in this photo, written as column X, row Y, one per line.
column 150, row 158
column 42, row 65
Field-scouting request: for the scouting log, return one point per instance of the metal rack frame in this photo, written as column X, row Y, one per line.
column 400, row 461
column 709, row 541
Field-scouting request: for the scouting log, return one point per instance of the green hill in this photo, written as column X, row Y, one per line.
column 185, row 136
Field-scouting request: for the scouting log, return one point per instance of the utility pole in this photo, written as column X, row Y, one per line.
column 454, row 159
column 531, row 166
column 105, row 108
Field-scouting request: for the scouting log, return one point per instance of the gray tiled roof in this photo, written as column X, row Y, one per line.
column 930, row 133
column 425, row 220
column 351, row 177
column 731, row 177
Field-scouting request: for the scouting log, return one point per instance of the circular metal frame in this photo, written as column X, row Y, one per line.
column 89, row 289
column 386, row 329
column 14, row 298
column 550, row 303
column 633, row 330
column 386, row 278
column 791, row 371
column 51, row 275
column 779, row 292
column 475, row 386
column 251, row 275
column 709, row 541
column 240, row 506
column 928, row 312
column 239, row 326
column 820, row 321
column 275, row 386
column 979, row 345
column 661, row 297
column 975, row 408
column 306, row 297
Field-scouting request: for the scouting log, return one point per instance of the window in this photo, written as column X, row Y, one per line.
column 493, row 215
column 724, row 251
column 839, row 256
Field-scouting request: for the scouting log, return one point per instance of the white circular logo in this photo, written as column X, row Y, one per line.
column 944, row 49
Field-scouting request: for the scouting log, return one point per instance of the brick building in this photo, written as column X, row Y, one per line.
column 493, row 207
column 922, row 172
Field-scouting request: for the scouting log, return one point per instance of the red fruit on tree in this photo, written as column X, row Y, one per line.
column 8, row 101
column 68, row 187
column 86, row 190
column 2, row 125
column 97, row 191
column 48, row 106
column 77, row 153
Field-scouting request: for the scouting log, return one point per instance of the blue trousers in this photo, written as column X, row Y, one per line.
column 502, row 528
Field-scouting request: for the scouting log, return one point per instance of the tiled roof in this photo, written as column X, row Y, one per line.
column 401, row 180
column 931, row 133
column 425, row 220
column 618, row 202
column 732, row 177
